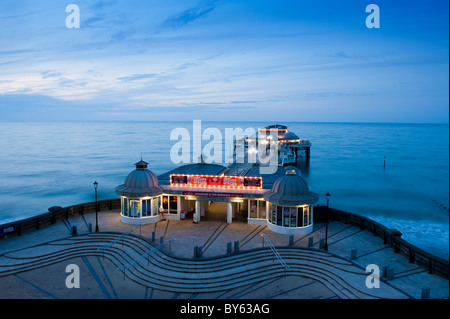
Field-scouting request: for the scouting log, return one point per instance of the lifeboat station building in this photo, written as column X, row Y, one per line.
column 281, row 200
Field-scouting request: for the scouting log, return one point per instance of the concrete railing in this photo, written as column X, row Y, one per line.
column 55, row 214
column 390, row 237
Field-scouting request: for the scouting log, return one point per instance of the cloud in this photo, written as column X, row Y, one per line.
column 49, row 74
column 32, row 107
column 328, row 94
column 100, row 8
column 136, row 77
column 244, row 102
column 102, row 4
column 122, row 35
column 90, row 22
column 189, row 108
column 14, row 52
column 178, row 20
column 342, row 54
column 187, row 65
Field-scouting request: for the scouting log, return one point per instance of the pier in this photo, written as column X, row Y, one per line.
column 290, row 146
column 33, row 264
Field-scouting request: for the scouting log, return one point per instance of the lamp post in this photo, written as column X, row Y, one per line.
column 327, row 196
column 96, row 206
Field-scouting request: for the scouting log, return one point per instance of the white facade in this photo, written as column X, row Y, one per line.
column 285, row 209
column 286, row 220
column 147, row 210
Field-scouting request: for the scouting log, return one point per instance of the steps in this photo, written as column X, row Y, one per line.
column 164, row 272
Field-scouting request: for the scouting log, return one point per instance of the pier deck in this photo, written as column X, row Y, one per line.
column 310, row 277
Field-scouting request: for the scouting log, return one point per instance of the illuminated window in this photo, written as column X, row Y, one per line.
column 306, row 218
column 293, row 221
column 169, row 204
column 287, row 216
column 262, row 209
column 279, row 215
column 173, row 204
column 273, row 213
column 146, row 207
column 156, row 203
column 134, row 209
column 253, row 208
column 124, row 206
column 165, row 203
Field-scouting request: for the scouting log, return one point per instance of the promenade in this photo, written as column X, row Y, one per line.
column 33, row 265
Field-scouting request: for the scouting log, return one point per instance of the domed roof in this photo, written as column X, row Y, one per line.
column 140, row 183
column 290, row 190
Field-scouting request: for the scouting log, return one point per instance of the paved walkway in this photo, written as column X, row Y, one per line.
column 314, row 275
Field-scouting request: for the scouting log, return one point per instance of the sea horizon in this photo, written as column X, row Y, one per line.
column 223, row 121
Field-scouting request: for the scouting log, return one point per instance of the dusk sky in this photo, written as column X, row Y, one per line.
column 246, row 60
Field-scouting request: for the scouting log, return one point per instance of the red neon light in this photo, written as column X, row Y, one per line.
column 216, row 181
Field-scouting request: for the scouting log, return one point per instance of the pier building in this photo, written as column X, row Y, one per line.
column 282, row 201
column 288, row 143
column 140, row 196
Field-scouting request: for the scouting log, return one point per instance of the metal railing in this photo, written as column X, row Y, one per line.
column 274, row 251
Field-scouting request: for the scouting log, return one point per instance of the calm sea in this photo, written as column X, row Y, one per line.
column 397, row 174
